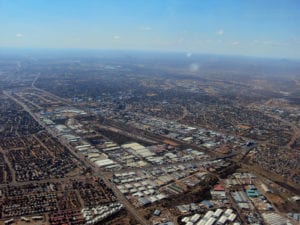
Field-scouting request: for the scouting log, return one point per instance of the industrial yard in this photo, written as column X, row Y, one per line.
column 138, row 155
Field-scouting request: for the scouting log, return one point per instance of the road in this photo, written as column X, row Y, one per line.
column 48, row 93
column 10, row 167
column 296, row 129
column 130, row 208
column 122, row 199
column 34, row 80
column 115, row 127
column 52, row 180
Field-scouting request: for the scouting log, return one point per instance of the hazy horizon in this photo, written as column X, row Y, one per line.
column 131, row 52
column 249, row 28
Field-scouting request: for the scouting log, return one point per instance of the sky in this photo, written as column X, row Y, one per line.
column 264, row 28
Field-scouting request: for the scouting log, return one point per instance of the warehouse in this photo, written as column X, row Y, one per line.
column 104, row 162
column 274, row 219
column 138, row 149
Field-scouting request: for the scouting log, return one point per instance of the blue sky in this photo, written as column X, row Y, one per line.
column 247, row 27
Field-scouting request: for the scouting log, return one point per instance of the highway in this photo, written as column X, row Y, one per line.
column 118, row 128
column 122, row 199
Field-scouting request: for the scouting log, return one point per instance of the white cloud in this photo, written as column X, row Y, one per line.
column 146, row 28
column 256, row 41
column 262, row 42
column 19, row 35
column 116, row 37
column 220, row 32
column 189, row 54
column 235, row 43
column 270, row 43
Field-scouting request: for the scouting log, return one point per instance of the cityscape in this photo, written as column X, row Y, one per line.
column 105, row 141
column 158, row 112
